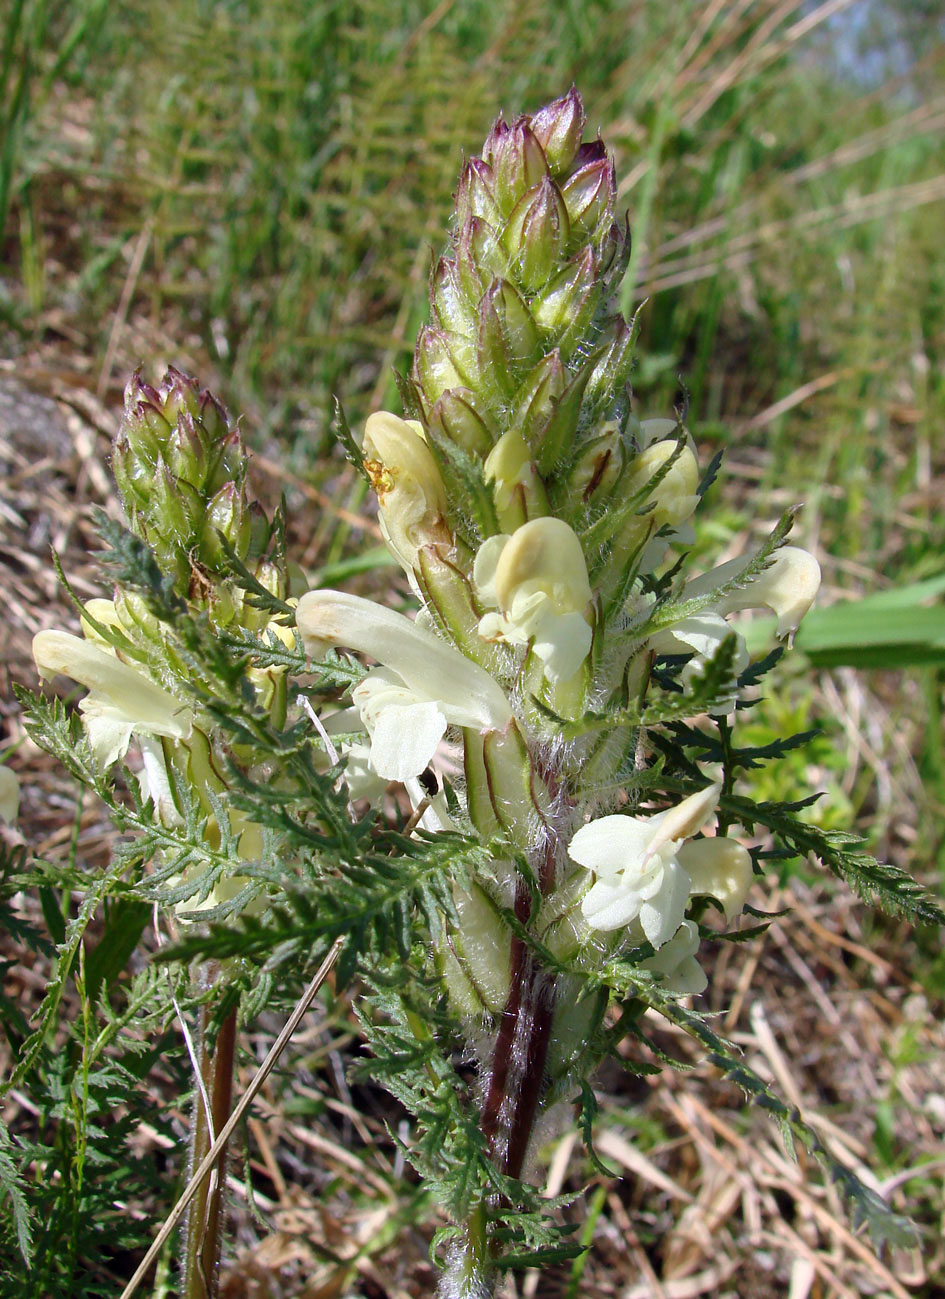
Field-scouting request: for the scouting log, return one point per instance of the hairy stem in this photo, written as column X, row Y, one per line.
column 205, row 1217
column 468, row 1274
column 521, row 1045
column 537, row 999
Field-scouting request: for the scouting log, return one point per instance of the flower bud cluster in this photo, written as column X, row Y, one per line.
column 181, row 472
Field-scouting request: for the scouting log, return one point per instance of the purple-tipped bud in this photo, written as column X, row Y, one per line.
column 475, row 194
column 518, row 164
column 590, row 151
column 497, row 133
column 186, row 453
column 481, row 255
column 179, row 394
column 177, row 506
column 589, row 195
column 213, row 416
column 612, row 369
column 137, row 390
column 507, row 338
column 560, row 430
column 225, row 517
column 133, row 475
column 558, row 128
column 146, row 431
column 227, row 462
column 181, row 468
column 535, row 405
column 535, row 256
column 537, row 234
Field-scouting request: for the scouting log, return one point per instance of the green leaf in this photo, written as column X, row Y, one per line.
column 347, row 439
column 588, row 1114
column 880, row 883
column 124, row 925
column 12, row 1187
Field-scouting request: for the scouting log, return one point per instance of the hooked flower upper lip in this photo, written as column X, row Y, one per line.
column 538, row 580
column 121, row 701
column 788, row 587
column 422, row 686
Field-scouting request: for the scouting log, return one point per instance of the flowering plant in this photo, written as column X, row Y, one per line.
column 559, row 714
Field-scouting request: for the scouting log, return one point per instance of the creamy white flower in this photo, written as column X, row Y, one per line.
column 121, row 701
column 676, row 961
column 9, row 794
column 787, row 587
column 405, row 729
column 719, row 868
column 154, row 781
column 423, row 685
column 537, row 578
column 511, row 470
column 360, row 777
column 638, row 874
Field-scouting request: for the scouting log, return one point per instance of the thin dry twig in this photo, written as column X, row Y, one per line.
column 240, row 1109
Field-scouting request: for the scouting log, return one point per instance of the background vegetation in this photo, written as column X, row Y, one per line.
column 251, row 191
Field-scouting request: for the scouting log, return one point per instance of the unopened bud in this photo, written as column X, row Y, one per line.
column 175, row 511
column 557, row 436
column 589, row 193
column 475, row 194
column 597, row 468
column 537, row 233
column 456, row 417
column 480, row 256
column 517, row 162
column 451, row 304
column 507, row 337
column 225, row 517
column 186, row 452
column 536, row 404
column 567, row 304
column 435, row 365
column 558, row 128
column 612, row 371
column 674, row 497
column 518, row 492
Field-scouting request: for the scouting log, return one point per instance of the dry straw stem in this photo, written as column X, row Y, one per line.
column 244, row 1103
